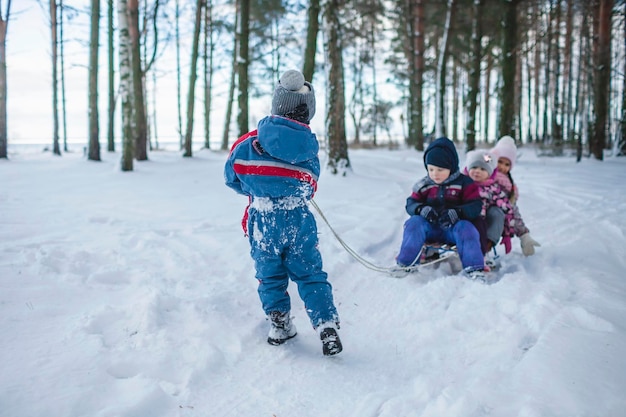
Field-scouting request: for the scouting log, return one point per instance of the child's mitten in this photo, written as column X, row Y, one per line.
column 528, row 244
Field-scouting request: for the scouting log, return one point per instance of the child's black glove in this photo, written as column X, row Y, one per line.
column 428, row 213
column 448, row 218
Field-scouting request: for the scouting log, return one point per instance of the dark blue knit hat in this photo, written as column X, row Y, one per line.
column 442, row 153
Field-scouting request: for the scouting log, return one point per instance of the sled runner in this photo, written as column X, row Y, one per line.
column 431, row 255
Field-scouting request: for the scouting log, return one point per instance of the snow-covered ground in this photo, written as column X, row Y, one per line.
column 133, row 294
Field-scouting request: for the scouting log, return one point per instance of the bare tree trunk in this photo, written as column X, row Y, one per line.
column 93, row 152
column 519, row 102
column 126, row 88
column 308, row 68
column 111, row 85
column 231, row 88
column 178, row 76
column 455, row 101
column 4, row 26
column 139, row 106
column 55, row 79
column 581, row 82
column 440, row 89
column 557, row 136
column 506, row 123
column 475, row 55
column 487, row 95
column 209, row 47
column 567, row 75
column 602, row 78
column 415, row 57
column 622, row 147
column 546, row 80
column 371, row 41
column 62, row 62
column 355, row 107
column 338, row 161
column 529, row 76
column 192, row 79
column 154, row 110
column 537, row 71
column 242, row 66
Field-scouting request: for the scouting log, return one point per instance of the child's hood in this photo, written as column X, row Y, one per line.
column 287, row 140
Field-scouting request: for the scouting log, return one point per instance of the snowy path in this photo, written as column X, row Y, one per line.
column 132, row 294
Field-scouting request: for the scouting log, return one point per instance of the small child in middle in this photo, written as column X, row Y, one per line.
column 442, row 207
column 496, row 215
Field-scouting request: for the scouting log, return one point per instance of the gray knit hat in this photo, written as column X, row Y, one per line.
column 481, row 159
column 291, row 91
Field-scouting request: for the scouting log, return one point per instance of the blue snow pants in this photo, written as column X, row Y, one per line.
column 417, row 231
column 284, row 245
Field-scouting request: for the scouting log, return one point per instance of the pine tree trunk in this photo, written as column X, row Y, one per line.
column 487, row 110
column 312, row 29
column 602, row 78
column 455, row 101
column 473, row 81
column 338, row 161
column 139, row 108
column 506, row 123
column 192, row 80
column 557, row 136
column 371, row 41
column 209, row 47
column 178, row 76
column 242, row 66
column 440, row 89
column 231, row 88
column 93, row 152
column 622, row 147
column 62, row 62
column 55, row 83
column 111, row 84
column 537, row 72
column 415, row 57
column 529, row 77
column 546, row 78
column 4, row 24
column 579, row 110
column 567, row 75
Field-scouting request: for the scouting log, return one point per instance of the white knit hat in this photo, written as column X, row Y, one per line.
column 291, row 91
column 482, row 159
column 505, row 148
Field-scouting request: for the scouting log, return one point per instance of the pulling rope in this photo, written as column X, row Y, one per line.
column 365, row 262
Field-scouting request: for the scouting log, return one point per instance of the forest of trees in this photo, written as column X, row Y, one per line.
column 550, row 72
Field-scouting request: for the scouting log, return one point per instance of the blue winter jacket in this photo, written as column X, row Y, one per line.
column 278, row 159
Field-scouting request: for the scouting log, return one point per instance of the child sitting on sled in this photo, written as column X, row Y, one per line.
column 506, row 153
column 442, row 207
column 496, row 215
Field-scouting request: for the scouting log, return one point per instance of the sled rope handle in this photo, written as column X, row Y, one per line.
column 359, row 258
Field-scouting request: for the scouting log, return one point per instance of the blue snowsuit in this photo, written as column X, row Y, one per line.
column 277, row 167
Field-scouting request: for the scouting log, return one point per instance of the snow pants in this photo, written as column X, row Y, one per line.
column 417, row 231
column 495, row 224
column 284, row 245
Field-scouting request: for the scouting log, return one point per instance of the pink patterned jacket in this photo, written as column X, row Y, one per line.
column 492, row 195
column 517, row 223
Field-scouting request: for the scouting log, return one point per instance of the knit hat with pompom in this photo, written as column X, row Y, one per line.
column 505, row 148
column 481, row 159
column 294, row 97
